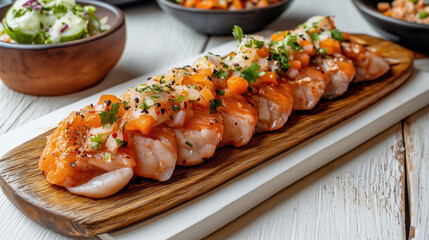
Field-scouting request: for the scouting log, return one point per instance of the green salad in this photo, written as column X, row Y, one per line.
column 49, row 21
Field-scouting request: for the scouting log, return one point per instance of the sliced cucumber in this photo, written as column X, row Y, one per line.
column 18, row 35
column 79, row 35
column 23, row 28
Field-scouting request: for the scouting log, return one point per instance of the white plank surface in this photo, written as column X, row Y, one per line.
column 347, row 194
column 416, row 134
column 147, row 27
column 357, row 196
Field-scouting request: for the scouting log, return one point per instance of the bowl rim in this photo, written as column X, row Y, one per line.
column 116, row 11
column 179, row 7
column 376, row 14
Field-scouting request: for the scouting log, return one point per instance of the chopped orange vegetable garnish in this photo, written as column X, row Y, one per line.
column 304, row 58
column 203, row 80
column 279, row 36
column 237, row 4
column 269, row 77
column 189, row 3
column 143, row 124
column 332, row 46
column 237, row 85
column 206, row 4
column 262, row 4
column 113, row 99
column 264, row 52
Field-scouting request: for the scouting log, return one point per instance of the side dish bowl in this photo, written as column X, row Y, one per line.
column 61, row 68
column 221, row 22
column 409, row 34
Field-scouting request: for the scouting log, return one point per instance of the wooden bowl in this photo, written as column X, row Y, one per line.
column 409, row 34
column 61, row 68
column 221, row 22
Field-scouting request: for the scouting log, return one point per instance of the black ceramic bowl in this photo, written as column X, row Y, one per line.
column 221, row 22
column 411, row 35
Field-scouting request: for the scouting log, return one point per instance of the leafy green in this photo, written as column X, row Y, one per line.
column 220, row 92
column 110, row 116
column 422, row 14
column 189, row 144
column 220, row 74
column 337, row 35
column 214, row 104
column 145, row 106
column 238, row 34
column 121, row 143
column 179, row 98
column 258, row 44
column 97, row 140
column 252, row 73
column 292, row 41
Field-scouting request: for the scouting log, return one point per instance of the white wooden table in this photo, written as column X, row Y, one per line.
column 380, row 190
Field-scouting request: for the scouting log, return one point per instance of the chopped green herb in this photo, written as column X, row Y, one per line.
column 214, row 104
column 97, row 140
column 153, row 97
column 321, row 51
column 108, row 157
column 314, row 37
column 238, row 34
column 252, row 73
column 413, row 1
column 292, row 42
column 337, row 35
column 189, row 144
column 110, row 116
column 123, row 127
column 121, row 143
column 220, row 92
column 175, row 108
column 422, row 14
column 179, row 98
column 145, row 106
column 220, row 74
column 237, row 69
column 258, row 44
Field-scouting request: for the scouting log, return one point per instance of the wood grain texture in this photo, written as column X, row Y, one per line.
column 57, row 209
column 416, row 136
column 359, row 195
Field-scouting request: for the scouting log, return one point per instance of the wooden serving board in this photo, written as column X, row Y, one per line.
column 57, row 209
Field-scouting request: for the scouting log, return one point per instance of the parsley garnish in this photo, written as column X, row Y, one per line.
column 121, row 143
column 145, row 106
column 238, row 34
column 98, row 141
column 214, row 104
column 179, row 98
column 321, row 51
column 237, row 69
column 175, row 108
column 153, row 97
column 110, row 116
column 220, row 92
column 189, row 144
column 292, row 42
column 337, row 35
column 314, row 36
column 220, row 74
column 258, row 44
column 252, row 73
